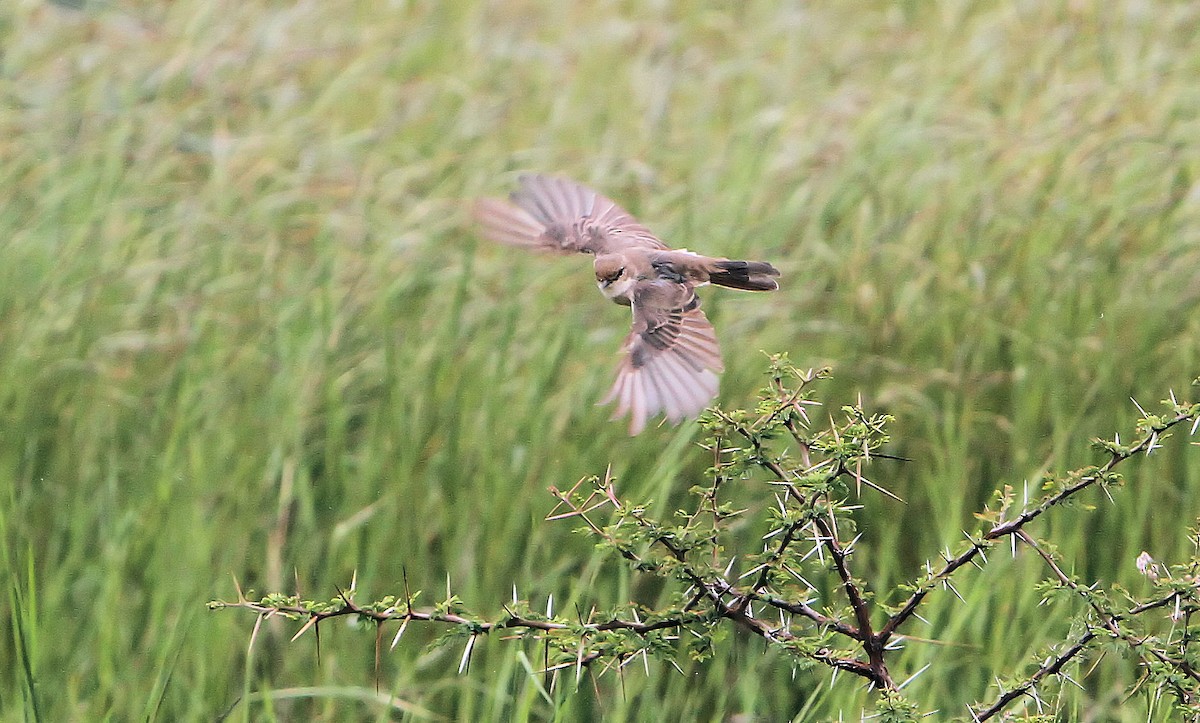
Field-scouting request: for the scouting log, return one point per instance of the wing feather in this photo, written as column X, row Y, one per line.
column 680, row 396
column 669, row 399
column 671, row 358
column 555, row 214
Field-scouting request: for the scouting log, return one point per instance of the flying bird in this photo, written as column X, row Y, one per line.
column 671, row 358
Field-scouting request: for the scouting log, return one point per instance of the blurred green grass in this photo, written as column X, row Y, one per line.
column 246, row 330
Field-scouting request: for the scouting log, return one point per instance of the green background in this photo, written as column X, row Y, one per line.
column 246, row 329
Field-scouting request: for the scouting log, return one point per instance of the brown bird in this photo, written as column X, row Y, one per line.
column 671, row 357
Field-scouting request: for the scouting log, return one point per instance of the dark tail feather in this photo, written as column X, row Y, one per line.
column 746, row 275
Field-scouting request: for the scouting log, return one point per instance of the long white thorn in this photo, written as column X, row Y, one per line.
column 466, row 656
column 913, row 677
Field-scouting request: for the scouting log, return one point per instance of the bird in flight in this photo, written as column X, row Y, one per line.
column 671, row 358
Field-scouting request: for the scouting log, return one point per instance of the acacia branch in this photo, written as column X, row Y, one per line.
column 717, row 589
column 349, row 607
column 1110, row 624
column 681, row 552
column 876, row 670
column 1052, row 666
column 1029, row 514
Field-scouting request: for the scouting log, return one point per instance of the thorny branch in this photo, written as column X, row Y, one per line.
column 809, row 507
column 1107, row 622
column 1011, row 527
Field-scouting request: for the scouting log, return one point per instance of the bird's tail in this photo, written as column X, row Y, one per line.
column 747, row 275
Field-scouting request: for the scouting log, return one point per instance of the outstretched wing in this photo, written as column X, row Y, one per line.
column 671, row 356
column 554, row 214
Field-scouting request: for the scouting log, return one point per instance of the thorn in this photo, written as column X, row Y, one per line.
column 816, row 550
column 798, row 576
column 1071, row 680
column 396, row 640
column 849, row 548
column 1109, row 494
column 311, row 622
column 378, row 640
column 913, row 677
column 579, row 663
column 317, row 635
column 254, row 635
column 466, row 656
column 879, row 488
column 1135, row 403
column 752, row 570
column 953, row 589
column 816, row 538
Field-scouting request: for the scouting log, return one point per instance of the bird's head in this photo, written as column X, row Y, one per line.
column 612, row 276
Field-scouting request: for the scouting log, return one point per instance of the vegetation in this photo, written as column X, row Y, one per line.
column 840, row 622
column 246, row 332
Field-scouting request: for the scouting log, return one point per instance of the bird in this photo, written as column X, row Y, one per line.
column 670, row 359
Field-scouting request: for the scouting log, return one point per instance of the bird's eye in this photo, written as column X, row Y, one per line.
column 617, row 275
